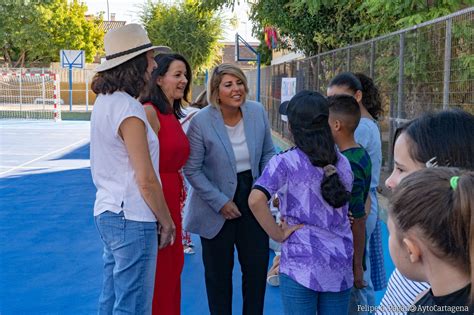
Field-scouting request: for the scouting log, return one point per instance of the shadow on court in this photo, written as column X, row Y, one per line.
column 50, row 254
column 81, row 153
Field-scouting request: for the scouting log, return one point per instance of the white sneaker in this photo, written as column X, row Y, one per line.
column 189, row 250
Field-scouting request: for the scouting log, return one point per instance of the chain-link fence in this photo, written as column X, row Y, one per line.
column 428, row 67
column 424, row 68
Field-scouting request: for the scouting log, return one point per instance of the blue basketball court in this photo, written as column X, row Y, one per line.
column 50, row 252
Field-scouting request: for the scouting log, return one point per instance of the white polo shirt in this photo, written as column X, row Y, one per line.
column 112, row 171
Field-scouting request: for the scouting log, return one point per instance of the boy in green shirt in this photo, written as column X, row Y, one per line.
column 344, row 116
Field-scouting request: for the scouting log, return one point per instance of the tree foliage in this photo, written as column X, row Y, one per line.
column 382, row 17
column 35, row 31
column 188, row 29
column 313, row 26
column 219, row 4
column 305, row 27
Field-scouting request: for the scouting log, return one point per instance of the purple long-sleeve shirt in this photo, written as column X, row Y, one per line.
column 319, row 255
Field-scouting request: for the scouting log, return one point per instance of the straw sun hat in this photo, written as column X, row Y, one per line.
column 124, row 43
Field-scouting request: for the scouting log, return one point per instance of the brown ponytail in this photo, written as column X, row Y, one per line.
column 443, row 209
column 464, row 205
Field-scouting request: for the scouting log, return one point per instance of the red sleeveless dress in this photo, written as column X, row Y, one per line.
column 174, row 152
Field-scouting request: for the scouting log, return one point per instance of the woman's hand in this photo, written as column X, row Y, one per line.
column 167, row 233
column 230, row 211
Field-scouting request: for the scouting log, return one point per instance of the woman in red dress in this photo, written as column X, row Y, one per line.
column 163, row 106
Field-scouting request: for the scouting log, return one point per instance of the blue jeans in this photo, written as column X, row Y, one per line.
column 366, row 296
column 130, row 251
column 299, row 300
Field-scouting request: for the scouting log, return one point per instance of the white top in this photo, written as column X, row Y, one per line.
column 189, row 112
column 400, row 294
column 367, row 134
column 239, row 144
column 112, row 172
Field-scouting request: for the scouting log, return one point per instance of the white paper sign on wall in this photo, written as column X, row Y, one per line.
column 288, row 90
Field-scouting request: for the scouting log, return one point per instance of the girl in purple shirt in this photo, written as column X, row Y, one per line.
column 313, row 182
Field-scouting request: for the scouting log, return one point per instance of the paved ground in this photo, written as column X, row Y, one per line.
column 50, row 257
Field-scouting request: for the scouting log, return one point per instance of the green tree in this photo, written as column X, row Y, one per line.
column 64, row 22
column 304, row 27
column 188, row 29
column 17, row 29
column 313, row 26
column 35, row 31
column 382, row 17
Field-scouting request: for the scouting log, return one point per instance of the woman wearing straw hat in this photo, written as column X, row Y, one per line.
column 124, row 165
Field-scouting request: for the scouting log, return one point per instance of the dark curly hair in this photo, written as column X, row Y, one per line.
column 155, row 94
column 347, row 79
column 129, row 77
column 370, row 96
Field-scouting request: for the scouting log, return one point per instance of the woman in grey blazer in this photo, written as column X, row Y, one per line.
column 230, row 145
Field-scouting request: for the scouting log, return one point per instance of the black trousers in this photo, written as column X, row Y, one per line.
column 253, row 253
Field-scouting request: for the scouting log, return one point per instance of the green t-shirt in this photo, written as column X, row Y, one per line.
column 362, row 169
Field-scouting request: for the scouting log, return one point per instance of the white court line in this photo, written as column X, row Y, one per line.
column 43, row 156
column 21, row 167
column 39, row 168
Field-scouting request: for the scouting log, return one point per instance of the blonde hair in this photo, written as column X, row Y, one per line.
column 216, row 78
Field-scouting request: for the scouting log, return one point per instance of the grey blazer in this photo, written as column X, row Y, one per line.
column 211, row 167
